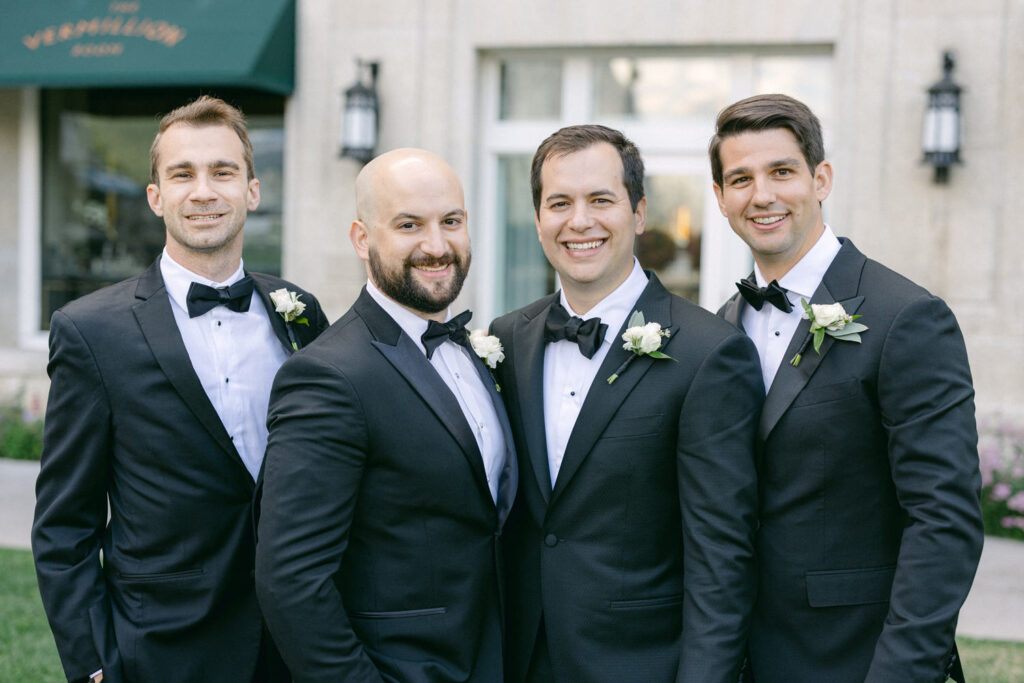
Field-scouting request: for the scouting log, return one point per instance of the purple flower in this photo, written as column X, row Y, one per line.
column 1016, row 502
column 1012, row 522
column 1000, row 491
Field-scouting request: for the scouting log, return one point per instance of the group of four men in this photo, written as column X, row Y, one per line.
column 716, row 497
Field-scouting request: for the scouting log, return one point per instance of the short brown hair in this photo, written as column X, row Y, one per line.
column 765, row 112
column 576, row 138
column 204, row 111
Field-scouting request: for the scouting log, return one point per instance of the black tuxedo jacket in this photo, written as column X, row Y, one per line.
column 870, row 522
column 377, row 554
column 128, row 421
column 640, row 558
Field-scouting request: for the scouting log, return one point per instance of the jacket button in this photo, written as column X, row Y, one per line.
column 551, row 540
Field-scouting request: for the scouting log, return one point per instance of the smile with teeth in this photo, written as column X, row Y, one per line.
column 768, row 220
column 583, row 246
column 432, row 269
column 204, row 217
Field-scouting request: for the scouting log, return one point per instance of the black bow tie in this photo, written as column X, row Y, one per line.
column 454, row 329
column 756, row 296
column 201, row 298
column 588, row 334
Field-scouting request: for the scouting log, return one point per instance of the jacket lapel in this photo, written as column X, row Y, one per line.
column 412, row 364
column 840, row 284
column 528, row 337
column 156, row 320
column 603, row 399
column 276, row 321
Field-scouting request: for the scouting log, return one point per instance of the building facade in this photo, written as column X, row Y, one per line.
column 482, row 84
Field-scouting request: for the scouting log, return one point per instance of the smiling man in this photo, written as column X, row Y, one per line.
column 630, row 548
column 390, row 467
column 158, row 401
column 870, row 526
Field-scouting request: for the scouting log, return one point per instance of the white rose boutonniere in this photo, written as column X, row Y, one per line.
column 830, row 319
column 643, row 339
column 488, row 347
column 288, row 305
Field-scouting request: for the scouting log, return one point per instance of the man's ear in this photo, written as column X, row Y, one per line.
column 823, row 180
column 640, row 216
column 252, row 197
column 721, row 198
column 154, row 199
column 359, row 234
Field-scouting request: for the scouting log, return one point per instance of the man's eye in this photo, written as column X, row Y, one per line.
column 783, row 171
column 453, row 221
column 406, row 226
column 559, row 205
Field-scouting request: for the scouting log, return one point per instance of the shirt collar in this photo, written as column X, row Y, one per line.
column 178, row 278
column 803, row 279
column 614, row 308
column 412, row 324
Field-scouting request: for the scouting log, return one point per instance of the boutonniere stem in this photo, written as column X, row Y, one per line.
column 643, row 339
column 288, row 305
column 831, row 320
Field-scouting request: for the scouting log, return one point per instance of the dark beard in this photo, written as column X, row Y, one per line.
column 400, row 285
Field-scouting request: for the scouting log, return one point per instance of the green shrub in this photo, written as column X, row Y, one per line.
column 20, row 439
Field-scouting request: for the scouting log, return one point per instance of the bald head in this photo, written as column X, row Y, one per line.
column 411, row 230
column 405, row 170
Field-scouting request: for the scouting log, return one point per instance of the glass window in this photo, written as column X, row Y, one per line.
column 531, row 89
column 527, row 273
column 670, row 246
column 649, row 88
column 97, row 228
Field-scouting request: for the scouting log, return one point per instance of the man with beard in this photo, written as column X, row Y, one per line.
column 389, row 467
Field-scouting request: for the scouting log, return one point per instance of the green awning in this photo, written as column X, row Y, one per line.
column 104, row 43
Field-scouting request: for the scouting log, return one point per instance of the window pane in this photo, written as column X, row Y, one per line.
column 670, row 246
column 808, row 78
column 97, row 228
column 526, row 273
column 531, row 89
column 660, row 87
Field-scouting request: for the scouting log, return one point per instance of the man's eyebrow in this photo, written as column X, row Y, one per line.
column 455, row 213
column 188, row 165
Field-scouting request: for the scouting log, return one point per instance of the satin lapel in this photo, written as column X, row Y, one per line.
column 840, row 284
column 731, row 311
column 276, row 321
column 508, row 482
column 409, row 361
column 603, row 399
column 528, row 337
column 155, row 318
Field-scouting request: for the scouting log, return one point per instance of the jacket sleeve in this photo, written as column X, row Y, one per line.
column 316, row 454
column 718, row 498
column 926, row 400
column 71, row 503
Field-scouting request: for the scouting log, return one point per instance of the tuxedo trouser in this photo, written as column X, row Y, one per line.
column 540, row 670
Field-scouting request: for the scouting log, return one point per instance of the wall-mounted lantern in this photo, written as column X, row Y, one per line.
column 359, row 120
column 941, row 138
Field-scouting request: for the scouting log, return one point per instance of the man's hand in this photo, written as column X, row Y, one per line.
column 97, row 678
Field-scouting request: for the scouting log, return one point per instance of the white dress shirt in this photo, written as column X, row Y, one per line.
column 235, row 355
column 568, row 374
column 453, row 363
column 770, row 329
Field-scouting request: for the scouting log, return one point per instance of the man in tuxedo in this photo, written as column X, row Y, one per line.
column 870, row 525
column 158, row 399
column 630, row 548
column 390, row 468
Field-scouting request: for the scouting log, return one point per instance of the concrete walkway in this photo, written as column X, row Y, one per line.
column 993, row 609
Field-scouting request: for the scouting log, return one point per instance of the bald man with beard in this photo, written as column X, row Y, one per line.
column 390, row 468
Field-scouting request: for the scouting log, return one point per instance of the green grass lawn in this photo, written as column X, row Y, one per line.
column 27, row 652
